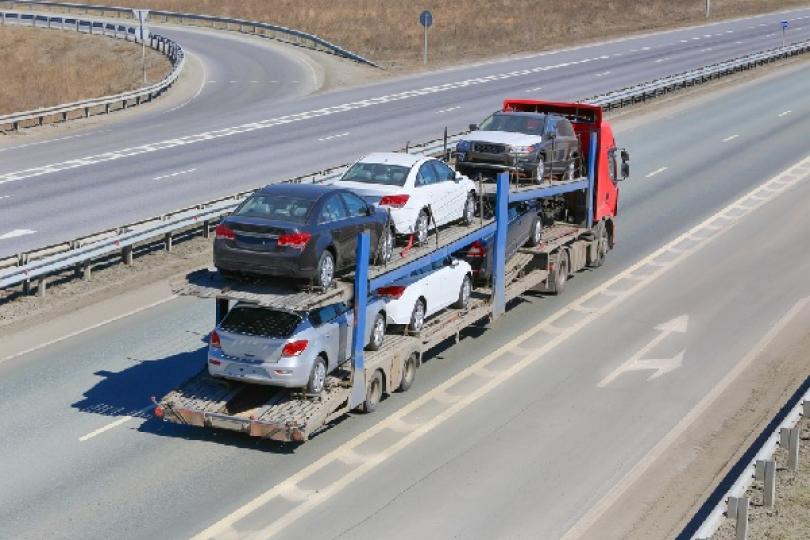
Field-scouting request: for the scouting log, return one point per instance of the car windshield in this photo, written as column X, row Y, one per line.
column 377, row 173
column 282, row 208
column 256, row 321
column 530, row 125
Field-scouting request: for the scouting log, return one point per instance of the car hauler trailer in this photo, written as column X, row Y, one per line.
column 567, row 246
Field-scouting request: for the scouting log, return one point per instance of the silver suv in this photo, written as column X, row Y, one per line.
column 292, row 349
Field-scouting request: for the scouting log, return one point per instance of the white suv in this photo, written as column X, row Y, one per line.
column 418, row 190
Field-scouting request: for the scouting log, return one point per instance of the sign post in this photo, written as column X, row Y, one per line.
column 141, row 15
column 426, row 20
column 785, row 25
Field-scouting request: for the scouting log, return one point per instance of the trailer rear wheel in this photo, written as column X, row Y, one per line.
column 559, row 277
column 373, row 393
column 408, row 373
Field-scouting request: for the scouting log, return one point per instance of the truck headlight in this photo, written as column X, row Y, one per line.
column 463, row 146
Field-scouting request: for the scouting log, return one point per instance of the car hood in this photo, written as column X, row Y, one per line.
column 505, row 137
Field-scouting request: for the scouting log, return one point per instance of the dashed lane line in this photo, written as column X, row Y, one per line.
column 730, row 138
column 16, row 233
column 614, row 289
column 656, row 172
column 174, row 174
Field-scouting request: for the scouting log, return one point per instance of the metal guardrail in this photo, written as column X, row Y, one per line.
column 172, row 50
column 755, row 469
column 79, row 254
column 273, row 31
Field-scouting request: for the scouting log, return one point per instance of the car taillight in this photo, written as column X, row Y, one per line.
column 224, row 232
column 477, row 249
column 294, row 240
column 395, row 201
column 294, row 348
column 214, row 341
column 391, row 291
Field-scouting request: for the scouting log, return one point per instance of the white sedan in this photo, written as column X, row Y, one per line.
column 418, row 190
column 428, row 291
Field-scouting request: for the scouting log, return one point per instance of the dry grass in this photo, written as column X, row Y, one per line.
column 389, row 32
column 43, row 67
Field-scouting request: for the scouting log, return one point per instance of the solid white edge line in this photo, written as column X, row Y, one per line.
column 111, row 425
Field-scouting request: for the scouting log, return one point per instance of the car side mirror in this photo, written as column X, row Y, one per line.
column 454, row 263
column 370, row 210
column 625, row 170
column 473, row 127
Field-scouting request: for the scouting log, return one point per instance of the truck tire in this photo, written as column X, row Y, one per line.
column 317, row 377
column 601, row 245
column 373, row 393
column 559, row 277
column 408, row 373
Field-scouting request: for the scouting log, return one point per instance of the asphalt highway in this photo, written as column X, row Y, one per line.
column 223, row 142
column 525, row 458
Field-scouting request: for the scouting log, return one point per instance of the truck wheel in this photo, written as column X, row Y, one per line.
column 422, row 227
column 377, row 333
column 468, row 216
column 325, row 271
column 560, row 275
column 536, row 234
column 408, row 373
column 317, row 377
column 464, row 294
column 373, row 393
column 417, row 316
column 601, row 246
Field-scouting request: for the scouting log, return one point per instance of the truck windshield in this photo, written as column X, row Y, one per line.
column 377, row 173
column 516, row 123
column 282, row 208
column 257, row 321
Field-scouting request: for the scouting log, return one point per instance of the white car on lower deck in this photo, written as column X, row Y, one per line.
column 419, row 191
column 428, row 291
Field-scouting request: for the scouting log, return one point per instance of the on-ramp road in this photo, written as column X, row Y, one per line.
column 81, row 458
column 68, row 188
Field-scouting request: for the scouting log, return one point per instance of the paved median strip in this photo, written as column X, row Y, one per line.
column 403, row 429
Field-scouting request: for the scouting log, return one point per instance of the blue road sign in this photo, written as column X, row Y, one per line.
column 426, row 19
column 785, row 24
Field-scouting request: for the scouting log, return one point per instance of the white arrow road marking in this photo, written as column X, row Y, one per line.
column 656, row 171
column 635, row 362
column 16, row 233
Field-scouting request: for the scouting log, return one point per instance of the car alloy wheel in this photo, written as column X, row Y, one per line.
column 469, row 210
column 537, row 232
column 464, row 293
column 317, row 378
column 326, row 270
column 422, row 223
column 418, row 316
column 387, row 246
column 540, row 171
column 377, row 333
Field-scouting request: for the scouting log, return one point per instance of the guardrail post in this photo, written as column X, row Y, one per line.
column 741, row 525
column 27, row 286
column 87, row 112
column 206, row 229
column 769, row 490
column 806, row 408
column 42, row 286
column 126, row 255
column 793, row 448
column 167, row 241
column 64, row 116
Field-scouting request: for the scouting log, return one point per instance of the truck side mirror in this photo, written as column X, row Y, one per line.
column 625, row 155
column 625, row 170
column 473, row 127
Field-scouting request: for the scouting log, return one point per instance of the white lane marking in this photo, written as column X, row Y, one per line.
column 92, row 327
column 695, row 38
column 174, row 174
column 596, row 511
column 785, row 113
column 656, row 171
column 26, row 145
column 684, row 41
column 224, row 528
column 199, row 90
column 231, row 82
column 679, row 325
column 602, row 74
column 448, row 109
column 646, row 48
column 335, row 136
column 707, row 49
column 273, row 81
column 283, row 120
column 4, row 197
column 294, row 82
column 730, row 138
column 663, row 59
column 16, row 233
column 254, row 82
column 120, row 421
column 535, row 89
column 739, row 42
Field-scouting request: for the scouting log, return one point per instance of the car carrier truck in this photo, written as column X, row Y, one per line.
column 579, row 230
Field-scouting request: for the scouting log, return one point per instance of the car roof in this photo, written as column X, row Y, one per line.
column 393, row 158
column 307, row 191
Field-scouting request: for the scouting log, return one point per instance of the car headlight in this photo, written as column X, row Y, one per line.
column 523, row 149
column 463, row 146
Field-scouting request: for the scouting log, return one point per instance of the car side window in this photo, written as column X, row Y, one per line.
column 564, row 129
column 355, row 205
column 332, row 210
column 443, row 172
column 551, row 124
column 323, row 315
column 426, row 175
